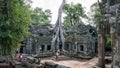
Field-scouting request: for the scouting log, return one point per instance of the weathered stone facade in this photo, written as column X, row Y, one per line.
column 114, row 20
column 79, row 39
column 39, row 40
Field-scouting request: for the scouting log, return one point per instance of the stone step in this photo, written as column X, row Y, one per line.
column 62, row 57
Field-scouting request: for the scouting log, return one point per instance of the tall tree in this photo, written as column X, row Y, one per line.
column 14, row 21
column 104, row 7
column 74, row 14
column 59, row 31
column 98, row 10
column 41, row 17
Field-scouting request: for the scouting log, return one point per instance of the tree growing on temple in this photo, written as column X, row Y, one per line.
column 74, row 14
column 14, row 21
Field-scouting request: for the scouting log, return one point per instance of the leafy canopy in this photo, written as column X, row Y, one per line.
column 74, row 14
column 14, row 21
column 95, row 14
column 41, row 17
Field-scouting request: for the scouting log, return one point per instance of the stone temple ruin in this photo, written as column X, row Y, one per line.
column 80, row 39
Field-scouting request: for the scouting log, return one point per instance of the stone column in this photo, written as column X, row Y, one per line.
column 84, row 49
column 115, row 35
column 38, row 49
column 70, row 46
column 76, row 47
column 45, row 48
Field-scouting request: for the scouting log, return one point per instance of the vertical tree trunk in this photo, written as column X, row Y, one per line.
column 101, row 45
column 112, row 41
column 59, row 31
column 101, row 50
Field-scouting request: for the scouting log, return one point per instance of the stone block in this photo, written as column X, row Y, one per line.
column 2, row 59
column 4, row 65
column 50, row 65
column 114, row 7
column 31, row 59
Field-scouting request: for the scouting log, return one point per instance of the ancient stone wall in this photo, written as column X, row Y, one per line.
column 82, row 39
column 114, row 20
column 79, row 39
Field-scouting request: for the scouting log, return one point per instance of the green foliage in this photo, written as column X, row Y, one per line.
column 112, row 2
column 14, row 21
column 95, row 14
column 74, row 14
column 41, row 17
column 108, row 43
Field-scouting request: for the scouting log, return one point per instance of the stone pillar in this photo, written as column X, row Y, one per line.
column 53, row 46
column 38, row 49
column 84, row 49
column 76, row 47
column 70, row 47
column 115, row 35
column 45, row 49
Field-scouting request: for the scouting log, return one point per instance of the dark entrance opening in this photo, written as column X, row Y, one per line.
column 60, row 46
column 48, row 47
column 21, row 49
column 96, row 47
column 81, row 47
column 67, row 47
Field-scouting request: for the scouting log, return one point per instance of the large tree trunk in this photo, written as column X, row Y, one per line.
column 101, row 50
column 101, row 45
column 59, row 31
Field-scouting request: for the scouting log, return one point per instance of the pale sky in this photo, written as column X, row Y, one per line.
column 53, row 5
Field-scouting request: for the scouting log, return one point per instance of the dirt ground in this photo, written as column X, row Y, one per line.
column 75, row 63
